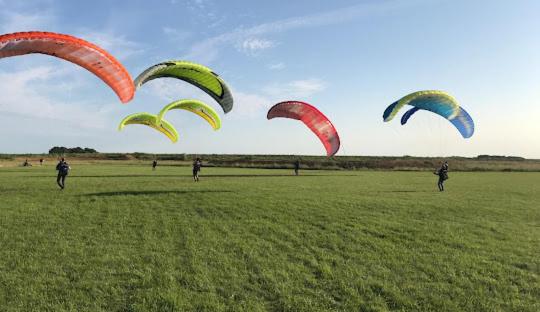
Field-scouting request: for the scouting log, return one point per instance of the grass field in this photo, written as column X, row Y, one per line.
column 124, row 238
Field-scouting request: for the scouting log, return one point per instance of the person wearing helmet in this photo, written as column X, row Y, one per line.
column 63, row 169
column 442, row 173
column 197, row 164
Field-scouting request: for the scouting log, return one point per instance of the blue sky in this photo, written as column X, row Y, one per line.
column 349, row 58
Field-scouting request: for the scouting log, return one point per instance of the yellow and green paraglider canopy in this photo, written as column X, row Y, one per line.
column 198, row 75
column 197, row 107
column 150, row 120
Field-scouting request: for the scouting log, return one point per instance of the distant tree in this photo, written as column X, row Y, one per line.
column 57, row 150
column 74, row 150
column 497, row 157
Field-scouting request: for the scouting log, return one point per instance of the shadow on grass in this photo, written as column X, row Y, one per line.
column 107, row 176
column 189, row 176
column 202, row 176
column 407, row 191
column 266, row 175
column 127, row 176
column 184, row 176
column 121, row 193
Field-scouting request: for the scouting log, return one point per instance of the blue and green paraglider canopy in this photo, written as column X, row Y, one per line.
column 438, row 102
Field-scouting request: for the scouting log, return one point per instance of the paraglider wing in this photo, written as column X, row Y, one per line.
column 194, row 106
column 75, row 50
column 390, row 110
column 150, row 120
column 195, row 74
column 463, row 121
column 312, row 118
column 438, row 102
column 408, row 115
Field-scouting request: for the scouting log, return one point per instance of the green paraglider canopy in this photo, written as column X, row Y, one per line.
column 151, row 121
column 197, row 107
column 195, row 74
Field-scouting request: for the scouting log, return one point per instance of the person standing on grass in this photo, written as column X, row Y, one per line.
column 296, row 167
column 63, row 169
column 41, row 161
column 197, row 164
column 443, row 175
column 154, row 165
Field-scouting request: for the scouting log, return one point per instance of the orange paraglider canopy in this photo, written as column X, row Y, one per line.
column 75, row 50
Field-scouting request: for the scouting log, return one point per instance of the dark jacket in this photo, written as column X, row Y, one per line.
column 443, row 173
column 63, row 168
column 197, row 166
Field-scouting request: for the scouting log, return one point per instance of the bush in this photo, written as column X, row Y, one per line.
column 73, row 150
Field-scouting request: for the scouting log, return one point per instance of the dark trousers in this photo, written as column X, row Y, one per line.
column 61, row 180
column 440, row 184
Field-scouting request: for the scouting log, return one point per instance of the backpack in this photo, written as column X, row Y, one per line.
column 63, row 168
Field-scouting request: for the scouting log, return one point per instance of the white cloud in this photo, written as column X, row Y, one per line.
column 252, row 104
column 26, row 95
column 117, row 45
column 200, row 4
column 276, row 66
column 175, row 34
column 173, row 89
column 203, row 52
column 295, row 89
column 249, row 104
column 217, row 21
column 12, row 21
column 205, row 11
column 252, row 46
column 207, row 50
column 168, row 30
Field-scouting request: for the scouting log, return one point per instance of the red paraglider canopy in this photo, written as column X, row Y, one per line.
column 311, row 117
column 75, row 50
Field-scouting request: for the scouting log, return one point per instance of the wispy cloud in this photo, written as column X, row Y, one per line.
column 168, row 30
column 171, row 90
column 276, row 66
column 175, row 35
column 205, row 10
column 295, row 89
column 118, row 45
column 13, row 21
column 252, row 46
column 207, row 50
column 199, row 4
column 248, row 104
column 27, row 94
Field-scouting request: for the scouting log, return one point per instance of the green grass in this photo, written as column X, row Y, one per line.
column 124, row 238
